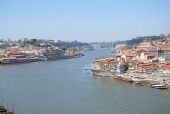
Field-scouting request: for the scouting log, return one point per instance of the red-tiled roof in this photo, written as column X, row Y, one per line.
column 149, row 55
column 104, row 60
column 131, row 55
column 165, row 48
column 165, row 65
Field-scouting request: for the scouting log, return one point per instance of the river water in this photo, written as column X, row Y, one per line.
column 64, row 87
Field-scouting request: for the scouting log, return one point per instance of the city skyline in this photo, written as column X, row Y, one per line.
column 86, row 21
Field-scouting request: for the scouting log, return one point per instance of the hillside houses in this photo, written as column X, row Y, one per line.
column 148, row 60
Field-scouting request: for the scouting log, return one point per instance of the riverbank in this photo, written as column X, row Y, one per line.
column 138, row 79
column 148, row 61
column 15, row 60
column 132, row 71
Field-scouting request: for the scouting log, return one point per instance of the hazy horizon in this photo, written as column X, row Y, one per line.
column 85, row 21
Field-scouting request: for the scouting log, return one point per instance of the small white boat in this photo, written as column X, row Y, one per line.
column 85, row 68
column 151, row 84
column 159, row 86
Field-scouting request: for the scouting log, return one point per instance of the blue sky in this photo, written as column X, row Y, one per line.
column 83, row 20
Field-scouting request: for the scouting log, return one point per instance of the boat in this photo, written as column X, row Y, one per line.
column 151, row 84
column 159, row 86
column 8, row 60
column 85, row 68
column 123, row 78
column 14, row 60
column 138, row 83
column 136, row 79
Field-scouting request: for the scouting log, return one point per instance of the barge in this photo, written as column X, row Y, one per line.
column 14, row 60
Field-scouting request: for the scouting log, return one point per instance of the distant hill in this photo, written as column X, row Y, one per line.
column 137, row 40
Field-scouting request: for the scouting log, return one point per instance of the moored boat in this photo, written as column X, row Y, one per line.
column 123, row 78
column 85, row 68
column 138, row 83
column 159, row 86
column 14, row 60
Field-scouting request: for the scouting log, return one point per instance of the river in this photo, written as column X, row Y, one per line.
column 64, row 87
